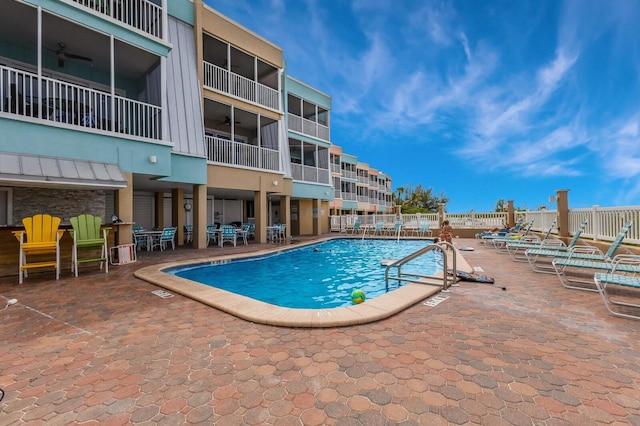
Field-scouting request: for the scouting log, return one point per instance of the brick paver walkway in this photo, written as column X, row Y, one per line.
column 102, row 349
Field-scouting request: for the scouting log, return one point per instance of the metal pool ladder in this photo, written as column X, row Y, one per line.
column 414, row 277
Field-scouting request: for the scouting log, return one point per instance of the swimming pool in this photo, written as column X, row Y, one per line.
column 318, row 276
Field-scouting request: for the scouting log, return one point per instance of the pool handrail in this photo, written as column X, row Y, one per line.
column 400, row 262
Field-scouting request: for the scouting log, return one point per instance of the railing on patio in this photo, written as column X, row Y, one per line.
column 57, row 101
column 143, row 15
column 224, row 151
column 604, row 222
column 221, row 80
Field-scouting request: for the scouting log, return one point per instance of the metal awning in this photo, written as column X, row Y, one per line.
column 39, row 170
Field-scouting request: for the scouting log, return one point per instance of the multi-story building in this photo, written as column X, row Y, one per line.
column 308, row 120
column 163, row 114
column 358, row 188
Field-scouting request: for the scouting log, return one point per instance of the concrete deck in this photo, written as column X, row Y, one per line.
column 103, row 349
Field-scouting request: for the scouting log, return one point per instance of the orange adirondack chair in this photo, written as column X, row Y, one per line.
column 41, row 236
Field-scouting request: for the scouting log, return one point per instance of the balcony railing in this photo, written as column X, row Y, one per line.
column 224, row 151
column 57, row 101
column 308, row 127
column 309, row 174
column 348, row 174
column 140, row 14
column 221, row 80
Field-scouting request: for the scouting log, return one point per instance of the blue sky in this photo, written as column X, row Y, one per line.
column 479, row 100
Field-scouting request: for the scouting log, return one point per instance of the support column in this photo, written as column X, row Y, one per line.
column 200, row 216
column 261, row 210
column 177, row 213
column 317, row 227
column 511, row 214
column 159, row 201
column 285, row 213
column 123, row 234
column 562, row 200
column 441, row 215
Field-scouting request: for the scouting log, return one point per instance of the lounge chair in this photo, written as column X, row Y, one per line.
column 355, row 228
column 87, row 236
column 40, row 237
column 576, row 253
column 396, row 230
column 516, row 249
column 423, row 229
column 498, row 241
column 490, row 234
column 617, row 290
column 572, row 272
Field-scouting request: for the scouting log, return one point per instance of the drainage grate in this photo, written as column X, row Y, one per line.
column 478, row 269
column 434, row 301
column 162, row 293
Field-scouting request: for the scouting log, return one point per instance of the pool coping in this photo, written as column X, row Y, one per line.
column 264, row 313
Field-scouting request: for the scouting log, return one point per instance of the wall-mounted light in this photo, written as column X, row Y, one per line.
column 187, row 206
column 153, row 159
column 275, row 183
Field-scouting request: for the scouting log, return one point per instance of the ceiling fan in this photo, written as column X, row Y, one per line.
column 227, row 121
column 63, row 55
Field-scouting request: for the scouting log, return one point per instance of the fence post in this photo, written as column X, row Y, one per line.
column 595, row 222
column 441, row 214
column 511, row 215
column 563, row 212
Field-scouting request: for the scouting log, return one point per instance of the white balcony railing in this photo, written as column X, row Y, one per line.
column 310, row 174
column 70, row 104
column 143, row 15
column 348, row 174
column 307, row 127
column 221, row 80
column 224, row 151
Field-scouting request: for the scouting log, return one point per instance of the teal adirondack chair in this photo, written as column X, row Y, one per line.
column 89, row 238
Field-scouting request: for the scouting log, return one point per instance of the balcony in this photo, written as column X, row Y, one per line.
column 310, row 174
column 142, row 15
column 224, row 151
column 48, row 99
column 221, row 80
column 308, row 127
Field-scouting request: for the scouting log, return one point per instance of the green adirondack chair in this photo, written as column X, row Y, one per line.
column 88, row 238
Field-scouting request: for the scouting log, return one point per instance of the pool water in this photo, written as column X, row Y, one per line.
column 316, row 276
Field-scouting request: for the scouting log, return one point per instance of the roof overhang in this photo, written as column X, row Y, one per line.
column 42, row 171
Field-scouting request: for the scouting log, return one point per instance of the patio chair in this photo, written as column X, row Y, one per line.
column 167, row 236
column 212, row 233
column 140, row 239
column 228, row 234
column 40, row 237
column 188, row 233
column 576, row 253
column 88, row 237
column 617, row 291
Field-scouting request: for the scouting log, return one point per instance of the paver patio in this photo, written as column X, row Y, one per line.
column 102, row 349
